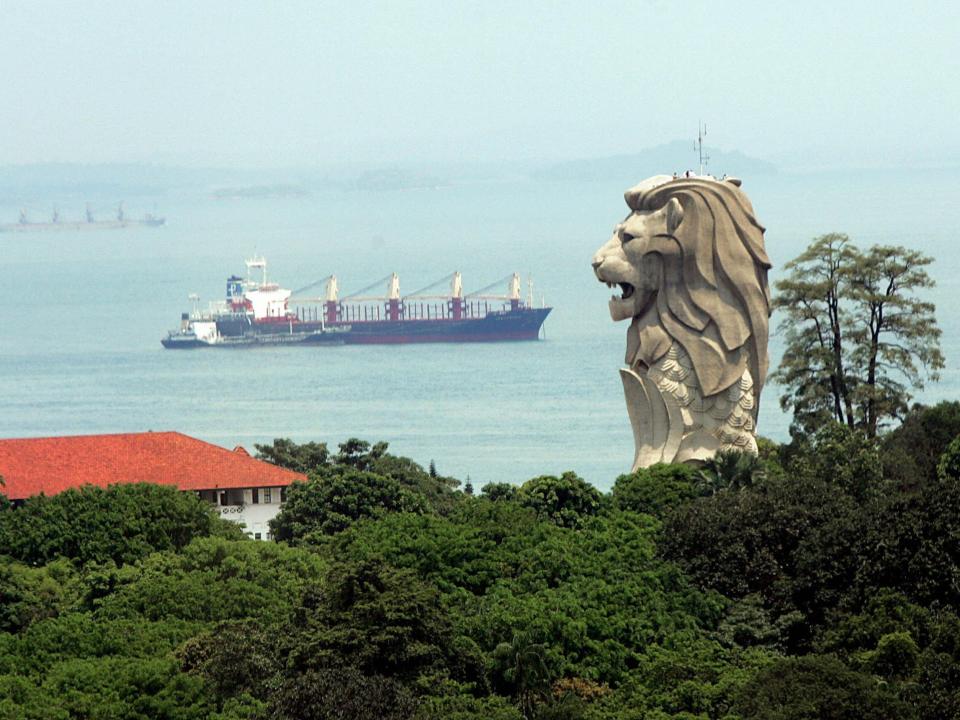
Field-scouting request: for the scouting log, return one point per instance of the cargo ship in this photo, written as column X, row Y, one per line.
column 56, row 222
column 257, row 312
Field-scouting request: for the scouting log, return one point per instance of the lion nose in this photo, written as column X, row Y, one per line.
column 596, row 263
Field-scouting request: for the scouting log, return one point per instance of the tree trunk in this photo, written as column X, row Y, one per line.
column 841, row 391
column 876, row 325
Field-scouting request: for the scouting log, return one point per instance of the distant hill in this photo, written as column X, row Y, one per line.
column 51, row 181
column 677, row 156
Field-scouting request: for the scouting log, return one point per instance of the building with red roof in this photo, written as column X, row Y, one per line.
column 243, row 489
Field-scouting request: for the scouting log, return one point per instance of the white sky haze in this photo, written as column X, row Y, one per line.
column 306, row 83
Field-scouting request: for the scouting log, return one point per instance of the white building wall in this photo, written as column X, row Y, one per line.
column 254, row 516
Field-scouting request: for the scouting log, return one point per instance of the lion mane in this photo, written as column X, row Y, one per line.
column 697, row 344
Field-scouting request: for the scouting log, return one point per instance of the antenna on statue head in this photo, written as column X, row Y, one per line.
column 698, row 146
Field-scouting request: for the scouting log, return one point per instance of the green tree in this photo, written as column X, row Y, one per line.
column 912, row 450
column 891, row 331
column 438, row 490
column 787, row 541
column 910, row 542
column 329, row 503
column 121, row 523
column 463, row 706
column 359, row 453
column 305, row 458
column 341, row 694
column 896, row 656
column 380, row 620
column 521, row 666
column 817, row 688
column 499, row 491
column 234, row 658
column 948, row 468
column 840, row 456
column 730, row 470
column 813, row 369
column 29, row 595
column 566, row 500
column 656, row 489
column 858, row 339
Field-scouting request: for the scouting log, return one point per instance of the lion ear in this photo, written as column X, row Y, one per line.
column 674, row 215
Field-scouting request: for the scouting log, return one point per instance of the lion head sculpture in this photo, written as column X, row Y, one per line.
column 691, row 265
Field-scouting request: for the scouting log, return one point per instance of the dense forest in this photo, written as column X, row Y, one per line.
column 820, row 580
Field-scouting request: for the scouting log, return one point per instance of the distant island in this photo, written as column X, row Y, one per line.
column 676, row 156
column 45, row 182
column 258, row 191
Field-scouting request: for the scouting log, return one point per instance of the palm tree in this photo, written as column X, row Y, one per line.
column 522, row 663
column 730, row 470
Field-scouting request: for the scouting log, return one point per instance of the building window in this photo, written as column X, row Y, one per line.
column 266, row 495
column 255, row 496
column 256, row 536
column 283, row 494
column 231, row 497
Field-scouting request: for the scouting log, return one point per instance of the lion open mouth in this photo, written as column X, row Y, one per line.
column 626, row 290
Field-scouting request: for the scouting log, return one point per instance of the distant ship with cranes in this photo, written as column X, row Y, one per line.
column 58, row 222
column 257, row 312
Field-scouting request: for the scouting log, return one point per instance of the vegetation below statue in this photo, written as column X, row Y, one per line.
column 814, row 581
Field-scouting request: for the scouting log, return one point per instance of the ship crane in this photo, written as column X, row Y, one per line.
column 298, row 295
column 358, row 296
column 456, row 289
column 513, row 289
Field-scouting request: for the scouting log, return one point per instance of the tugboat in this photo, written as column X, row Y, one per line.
column 259, row 312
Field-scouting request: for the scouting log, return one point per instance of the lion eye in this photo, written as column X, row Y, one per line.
column 626, row 237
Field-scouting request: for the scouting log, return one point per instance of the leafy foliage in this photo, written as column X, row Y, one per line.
column 122, row 524
column 330, row 503
column 811, row 582
column 911, row 452
column 817, row 688
column 566, row 500
column 857, row 338
column 306, row 458
column 656, row 489
column 341, row 694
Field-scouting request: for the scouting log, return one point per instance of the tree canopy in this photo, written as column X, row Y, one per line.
column 858, row 338
column 807, row 583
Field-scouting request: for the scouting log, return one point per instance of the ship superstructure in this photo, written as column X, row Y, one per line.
column 257, row 311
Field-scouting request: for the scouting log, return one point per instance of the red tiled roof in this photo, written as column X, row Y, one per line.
column 30, row 466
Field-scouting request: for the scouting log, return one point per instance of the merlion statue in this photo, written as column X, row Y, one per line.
column 692, row 268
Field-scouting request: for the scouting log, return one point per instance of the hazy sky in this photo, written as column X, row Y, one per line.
column 300, row 83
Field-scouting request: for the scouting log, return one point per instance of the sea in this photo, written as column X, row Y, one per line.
column 83, row 314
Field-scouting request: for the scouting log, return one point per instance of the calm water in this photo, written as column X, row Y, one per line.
column 83, row 314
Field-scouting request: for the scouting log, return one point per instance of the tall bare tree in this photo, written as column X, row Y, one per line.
column 813, row 366
column 858, row 340
column 895, row 341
